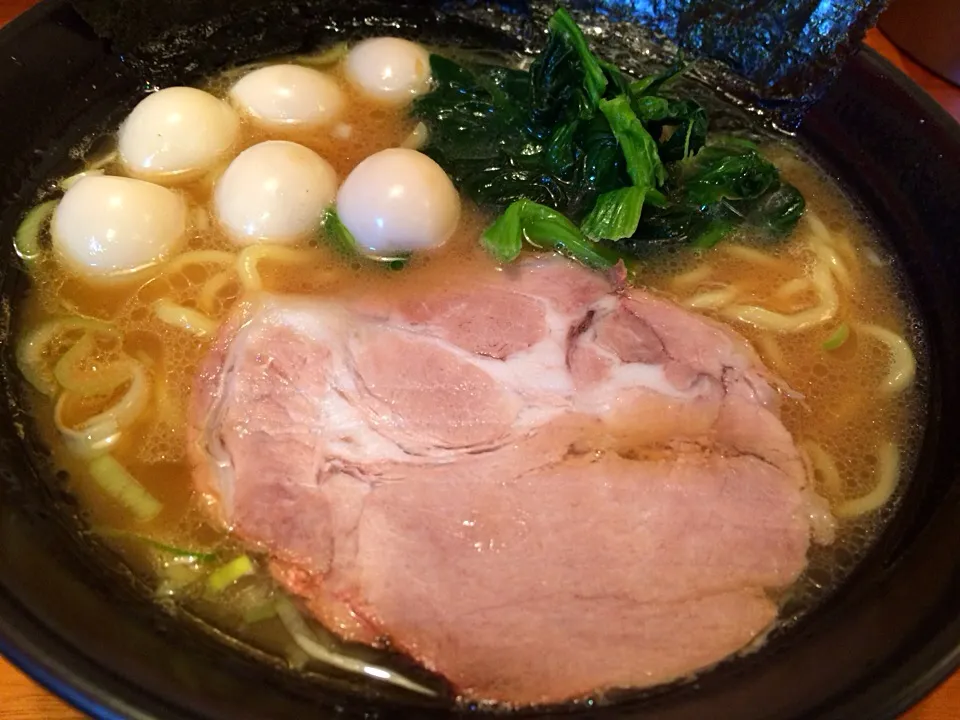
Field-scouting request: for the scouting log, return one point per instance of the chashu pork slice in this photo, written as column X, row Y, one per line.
column 533, row 483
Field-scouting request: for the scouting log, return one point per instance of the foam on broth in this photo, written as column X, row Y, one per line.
column 838, row 403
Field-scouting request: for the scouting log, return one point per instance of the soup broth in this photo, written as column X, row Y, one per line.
column 848, row 395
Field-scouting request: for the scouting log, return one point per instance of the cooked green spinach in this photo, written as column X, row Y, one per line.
column 622, row 161
column 543, row 227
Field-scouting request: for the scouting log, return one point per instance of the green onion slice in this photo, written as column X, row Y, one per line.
column 27, row 240
column 114, row 479
column 837, row 338
column 226, row 575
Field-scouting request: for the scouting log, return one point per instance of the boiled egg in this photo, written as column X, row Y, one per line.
column 398, row 200
column 177, row 133
column 389, row 69
column 108, row 226
column 276, row 191
column 288, row 95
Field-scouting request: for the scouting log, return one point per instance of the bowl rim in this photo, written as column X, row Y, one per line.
column 64, row 670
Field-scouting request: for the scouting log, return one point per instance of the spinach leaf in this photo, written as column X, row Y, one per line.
column 639, row 148
column 601, row 167
column 566, row 78
column 616, row 214
column 721, row 188
column 651, row 109
column 576, row 141
column 712, row 232
column 719, row 172
column 480, row 132
column 337, row 235
column 543, row 228
column 653, row 84
column 504, row 239
column 687, row 123
column 778, row 211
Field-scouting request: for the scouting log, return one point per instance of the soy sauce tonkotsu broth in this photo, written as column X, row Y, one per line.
column 845, row 376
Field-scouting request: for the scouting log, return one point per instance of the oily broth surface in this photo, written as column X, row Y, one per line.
column 841, row 408
column 154, row 449
column 833, row 398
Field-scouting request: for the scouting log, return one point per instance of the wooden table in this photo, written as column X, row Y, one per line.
column 20, row 699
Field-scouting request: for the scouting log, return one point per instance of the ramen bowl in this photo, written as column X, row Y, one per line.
column 78, row 621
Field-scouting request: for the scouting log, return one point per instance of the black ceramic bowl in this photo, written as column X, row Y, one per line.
column 79, row 624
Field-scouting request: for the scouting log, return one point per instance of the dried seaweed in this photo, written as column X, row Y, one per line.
column 783, row 54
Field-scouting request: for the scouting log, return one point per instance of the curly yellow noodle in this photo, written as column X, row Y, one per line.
column 770, row 351
column 751, row 255
column 839, row 269
column 825, row 310
column 199, row 257
column 712, row 299
column 903, row 364
column 825, row 465
column 819, row 230
column 30, row 350
column 792, row 287
column 100, row 378
column 186, row 318
column 166, row 412
column 99, row 433
column 207, row 299
column 692, row 277
column 250, row 258
column 888, row 474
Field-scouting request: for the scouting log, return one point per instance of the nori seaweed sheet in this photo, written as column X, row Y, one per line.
column 779, row 56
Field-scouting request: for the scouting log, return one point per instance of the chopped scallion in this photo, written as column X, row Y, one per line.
column 190, row 554
column 27, row 240
column 837, row 338
column 226, row 575
column 114, row 479
column 259, row 613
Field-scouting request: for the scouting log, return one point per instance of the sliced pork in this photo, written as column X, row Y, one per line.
column 534, row 484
